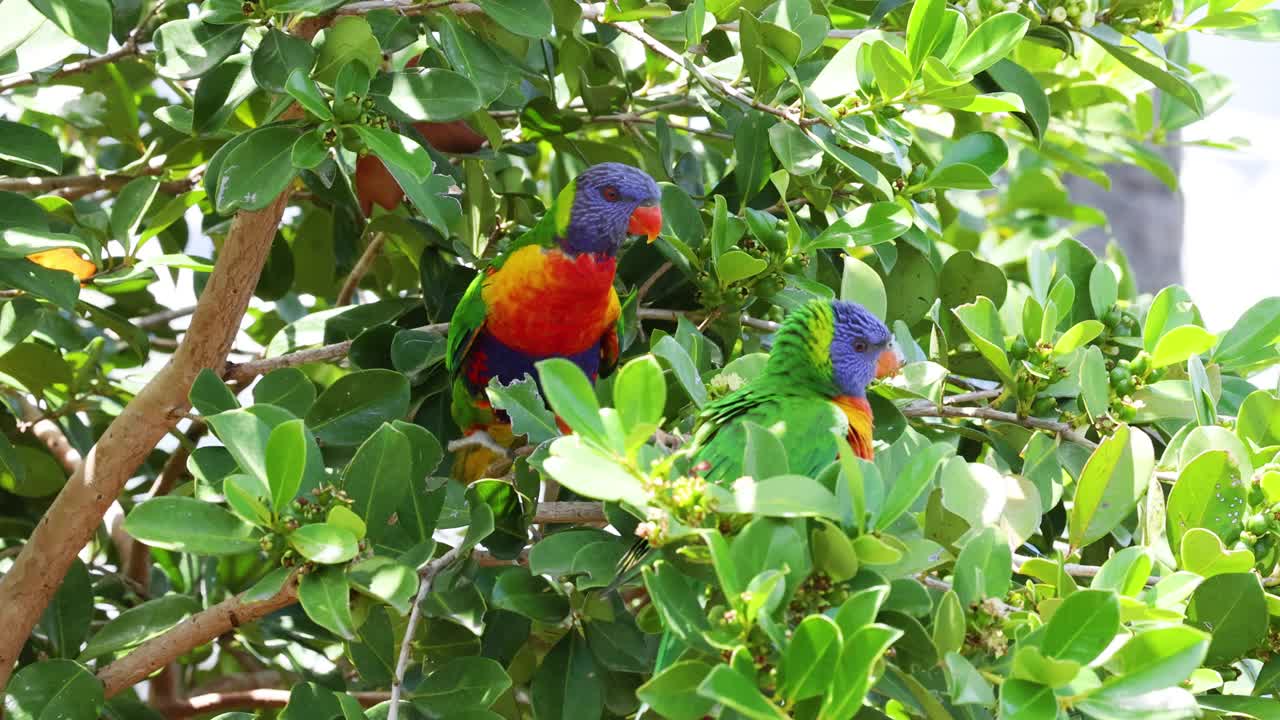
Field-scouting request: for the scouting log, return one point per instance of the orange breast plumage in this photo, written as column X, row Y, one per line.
column 858, row 411
column 544, row 302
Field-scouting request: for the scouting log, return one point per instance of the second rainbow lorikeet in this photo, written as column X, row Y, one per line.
column 812, row 395
column 548, row 294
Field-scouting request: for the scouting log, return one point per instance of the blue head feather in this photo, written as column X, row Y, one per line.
column 857, row 342
column 605, row 197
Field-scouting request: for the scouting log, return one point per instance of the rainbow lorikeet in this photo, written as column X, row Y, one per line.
column 548, row 294
column 812, row 395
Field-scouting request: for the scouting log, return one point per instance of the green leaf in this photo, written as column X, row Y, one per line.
column 783, row 496
column 191, row 526
column 67, row 618
column 528, row 595
column 210, row 396
column 912, row 480
column 958, row 176
column 302, row 88
column 868, row 224
column 810, row 658
column 983, row 150
column 1111, row 484
column 852, row 680
column 59, row 287
column 982, row 324
column 1078, row 335
column 569, row 393
column 1095, row 387
column 434, row 95
column 568, row 685
column 990, row 42
column 325, row 598
column 1082, row 626
column 924, row 30
column 1233, row 608
column 1103, row 289
column 476, row 59
column 324, row 544
column 530, row 18
column 983, row 568
column 1208, row 494
column 348, row 40
column 863, row 285
column 764, row 455
column 640, row 395
column 1155, row 659
column 397, row 150
column 798, row 154
column 1008, row 76
column 131, row 206
column 352, row 408
column 256, row 170
column 248, row 498
column 590, row 473
column 287, row 388
column 465, row 682
column 1180, row 343
column 892, row 69
column 1175, row 85
column 377, row 478
column 522, row 403
column 672, row 692
column 732, row 690
column 985, row 497
column 965, row 684
column 1257, row 329
column 29, row 147
column 59, row 689
column 736, row 265
column 676, row 603
column 88, row 21
column 138, row 624
column 278, row 56
column 1024, row 700
column 188, row 49
column 385, row 579
column 246, row 434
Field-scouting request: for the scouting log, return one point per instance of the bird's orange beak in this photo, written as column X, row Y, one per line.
column 646, row 220
column 889, row 362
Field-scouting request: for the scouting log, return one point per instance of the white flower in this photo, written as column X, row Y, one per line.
column 1059, row 14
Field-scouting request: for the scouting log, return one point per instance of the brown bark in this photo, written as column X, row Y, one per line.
column 199, row 629
column 70, row 522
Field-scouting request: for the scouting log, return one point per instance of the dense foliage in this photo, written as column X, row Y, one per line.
column 1073, row 511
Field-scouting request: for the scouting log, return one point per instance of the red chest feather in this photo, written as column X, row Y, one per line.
column 544, row 302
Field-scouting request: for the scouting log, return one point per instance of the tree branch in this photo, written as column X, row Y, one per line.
column 193, row 632
column 73, row 517
column 247, row 371
column 89, row 183
column 257, row 699
column 163, row 317
column 126, row 49
column 1062, row 430
column 361, row 268
column 426, row 574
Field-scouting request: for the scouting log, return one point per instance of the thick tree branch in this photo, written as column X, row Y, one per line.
column 257, row 699
column 70, row 521
column 201, row 628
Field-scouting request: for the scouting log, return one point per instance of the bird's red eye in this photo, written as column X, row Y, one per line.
column 611, row 193
column 859, row 346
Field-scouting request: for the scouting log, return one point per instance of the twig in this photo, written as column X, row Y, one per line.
column 260, row 698
column 76, row 512
column 127, row 48
column 84, row 184
column 1074, row 569
column 164, row 317
column 975, row 396
column 425, row 576
column 247, row 371
column 709, row 81
column 1062, row 430
column 675, row 315
column 361, row 268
